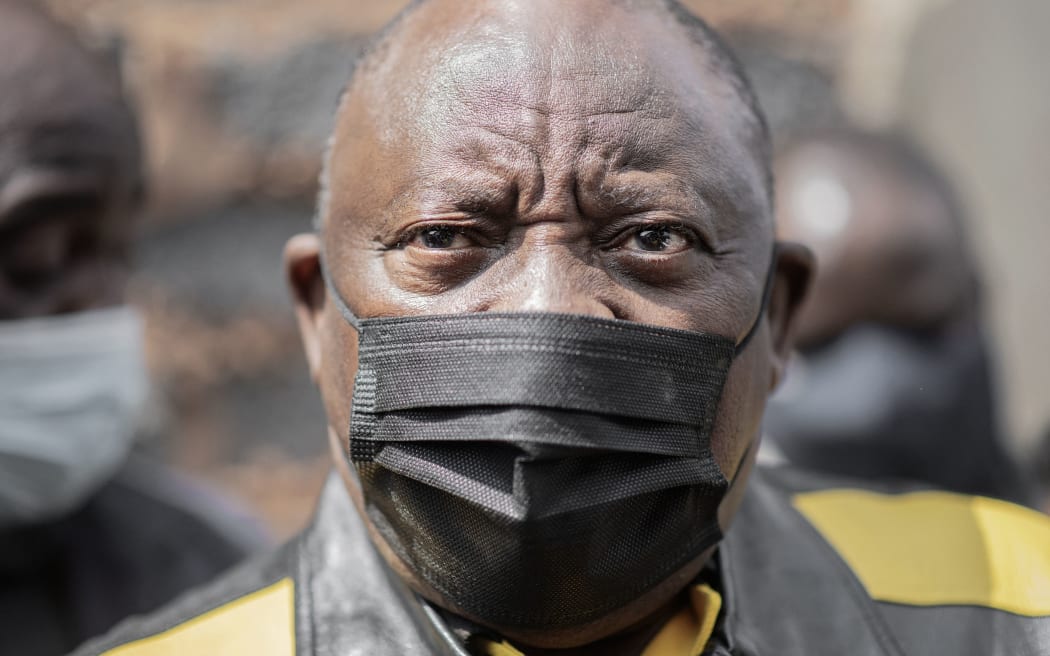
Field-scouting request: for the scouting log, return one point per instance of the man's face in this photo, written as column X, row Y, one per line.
column 68, row 173
column 542, row 158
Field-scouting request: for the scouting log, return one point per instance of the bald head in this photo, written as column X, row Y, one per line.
column 70, row 168
column 381, row 67
column 887, row 230
column 56, row 91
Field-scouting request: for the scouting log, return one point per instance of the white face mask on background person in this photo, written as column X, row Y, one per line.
column 72, row 389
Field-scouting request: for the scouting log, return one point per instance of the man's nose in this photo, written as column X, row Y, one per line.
column 552, row 279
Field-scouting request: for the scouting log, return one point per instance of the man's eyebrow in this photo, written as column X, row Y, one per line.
column 469, row 193
column 647, row 192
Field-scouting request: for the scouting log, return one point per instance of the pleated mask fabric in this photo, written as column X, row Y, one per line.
column 538, row 470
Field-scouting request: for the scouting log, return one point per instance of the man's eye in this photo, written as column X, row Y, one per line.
column 658, row 239
column 440, row 237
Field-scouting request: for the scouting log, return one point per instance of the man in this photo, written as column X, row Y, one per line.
column 544, row 310
column 87, row 535
column 893, row 375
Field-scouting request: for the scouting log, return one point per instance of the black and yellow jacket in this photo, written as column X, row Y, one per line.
column 809, row 568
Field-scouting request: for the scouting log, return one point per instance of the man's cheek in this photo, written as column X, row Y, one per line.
column 739, row 412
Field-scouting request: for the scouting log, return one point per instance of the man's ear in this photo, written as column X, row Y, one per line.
column 795, row 267
column 302, row 266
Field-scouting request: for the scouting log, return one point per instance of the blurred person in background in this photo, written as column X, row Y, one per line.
column 1039, row 469
column 893, row 378
column 88, row 533
column 545, row 307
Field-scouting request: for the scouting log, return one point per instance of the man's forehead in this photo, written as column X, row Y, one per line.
column 484, row 64
column 627, row 86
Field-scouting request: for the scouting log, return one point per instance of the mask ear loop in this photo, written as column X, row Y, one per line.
column 336, row 297
column 767, row 292
column 355, row 323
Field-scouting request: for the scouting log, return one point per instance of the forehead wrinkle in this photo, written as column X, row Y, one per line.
column 466, row 67
column 549, row 116
column 482, row 166
column 470, row 80
column 561, row 91
column 659, row 166
column 470, row 69
column 472, row 191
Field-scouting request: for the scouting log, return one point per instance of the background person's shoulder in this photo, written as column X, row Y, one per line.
column 248, row 611
column 164, row 501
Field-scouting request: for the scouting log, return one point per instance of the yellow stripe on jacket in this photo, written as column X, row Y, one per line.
column 938, row 548
column 261, row 623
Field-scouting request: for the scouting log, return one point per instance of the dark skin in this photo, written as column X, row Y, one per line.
column 890, row 250
column 550, row 157
column 70, row 184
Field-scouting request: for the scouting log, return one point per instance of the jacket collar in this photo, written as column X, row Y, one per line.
column 787, row 591
column 348, row 601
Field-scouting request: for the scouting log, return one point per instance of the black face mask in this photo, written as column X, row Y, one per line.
column 882, row 403
column 538, row 470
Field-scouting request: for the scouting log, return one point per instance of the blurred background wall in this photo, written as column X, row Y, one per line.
column 236, row 98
